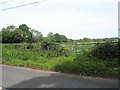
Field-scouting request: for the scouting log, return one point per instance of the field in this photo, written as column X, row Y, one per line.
column 73, row 59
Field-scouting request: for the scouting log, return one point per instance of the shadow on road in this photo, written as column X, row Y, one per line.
column 51, row 81
column 35, row 82
column 64, row 81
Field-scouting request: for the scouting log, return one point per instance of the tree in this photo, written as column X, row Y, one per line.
column 37, row 36
column 60, row 38
column 63, row 38
column 29, row 34
column 85, row 39
column 19, row 36
column 11, row 28
column 51, row 36
column 11, row 34
column 24, row 28
column 6, row 35
column 57, row 37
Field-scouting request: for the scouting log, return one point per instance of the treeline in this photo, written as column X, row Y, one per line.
column 24, row 34
column 85, row 39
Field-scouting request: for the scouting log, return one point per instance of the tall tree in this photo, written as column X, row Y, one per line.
column 19, row 36
column 7, row 35
column 11, row 34
column 24, row 27
column 38, row 37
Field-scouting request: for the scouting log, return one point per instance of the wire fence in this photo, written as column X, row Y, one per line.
column 66, row 49
column 78, row 48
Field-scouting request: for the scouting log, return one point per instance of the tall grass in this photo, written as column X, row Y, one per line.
column 84, row 63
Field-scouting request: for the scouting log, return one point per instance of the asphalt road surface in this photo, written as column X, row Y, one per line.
column 20, row 77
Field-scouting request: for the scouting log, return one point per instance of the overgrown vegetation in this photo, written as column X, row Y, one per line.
column 24, row 46
column 106, row 51
column 84, row 64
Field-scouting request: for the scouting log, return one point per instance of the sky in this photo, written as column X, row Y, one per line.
column 75, row 19
column 119, row 19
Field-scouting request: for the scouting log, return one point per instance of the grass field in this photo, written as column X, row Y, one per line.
column 83, row 64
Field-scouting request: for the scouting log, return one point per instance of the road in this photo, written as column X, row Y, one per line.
column 21, row 77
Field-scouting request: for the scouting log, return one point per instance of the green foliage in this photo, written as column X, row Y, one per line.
column 37, row 36
column 21, row 55
column 62, row 52
column 24, row 28
column 86, row 39
column 105, row 51
column 11, row 34
column 51, row 36
column 29, row 35
column 18, row 36
column 46, row 43
column 6, row 36
column 51, row 52
column 19, row 46
column 60, row 38
column 28, row 46
column 23, row 33
column 84, row 67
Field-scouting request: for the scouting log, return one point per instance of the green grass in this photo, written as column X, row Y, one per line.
column 48, row 60
column 26, row 57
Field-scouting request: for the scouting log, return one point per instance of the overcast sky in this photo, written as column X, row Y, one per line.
column 73, row 18
column 119, row 19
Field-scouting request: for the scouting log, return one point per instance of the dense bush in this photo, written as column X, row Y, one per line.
column 62, row 52
column 49, row 46
column 106, row 50
column 83, row 67
column 55, row 48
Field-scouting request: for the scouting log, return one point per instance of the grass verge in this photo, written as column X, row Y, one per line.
column 46, row 60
